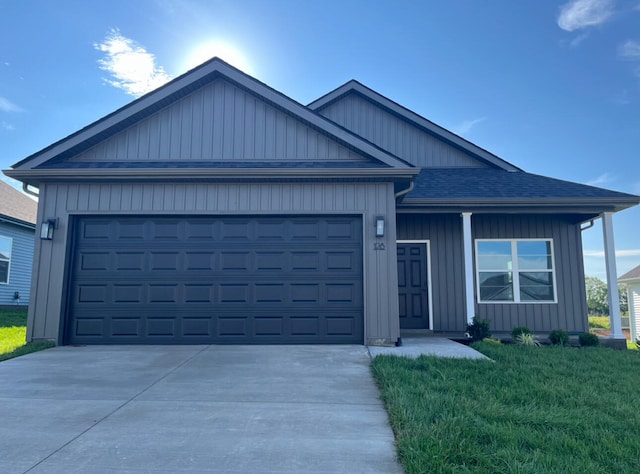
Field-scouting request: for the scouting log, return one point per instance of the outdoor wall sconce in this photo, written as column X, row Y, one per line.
column 379, row 226
column 46, row 229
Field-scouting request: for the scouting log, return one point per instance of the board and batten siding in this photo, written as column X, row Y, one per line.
column 444, row 231
column 570, row 312
column 395, row 134
column 363, row 199
column 20, row 266
column 220, row 121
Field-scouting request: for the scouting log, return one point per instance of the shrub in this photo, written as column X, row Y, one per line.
column 527, row 339
column 515, row 332
column 588, row 339
column 478, row 329
column 559, row 337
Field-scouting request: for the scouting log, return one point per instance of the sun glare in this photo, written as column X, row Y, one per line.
column 205, row 51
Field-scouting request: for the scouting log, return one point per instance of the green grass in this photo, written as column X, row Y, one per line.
column 13, row 333
column 535, row 409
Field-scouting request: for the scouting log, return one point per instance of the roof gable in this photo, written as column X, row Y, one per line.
column 186, row 95
column 219, row 122
column 402, row 131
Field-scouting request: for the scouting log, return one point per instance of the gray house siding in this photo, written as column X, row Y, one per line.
column 77, row 199
column 570, row 312
column 220, row 121
column 20, row 266
column 444, row 231
column 395, row 134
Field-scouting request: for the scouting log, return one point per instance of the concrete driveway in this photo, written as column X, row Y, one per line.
column 231, row 409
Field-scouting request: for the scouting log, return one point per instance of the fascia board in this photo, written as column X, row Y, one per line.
column 43, row 175
column 565, row 204
column 17, row 222
column 415, row 118
column 216, row 68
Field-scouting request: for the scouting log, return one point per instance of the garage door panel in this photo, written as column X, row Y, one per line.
column 160, row 280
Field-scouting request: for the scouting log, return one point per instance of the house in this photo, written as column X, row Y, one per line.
column 216, row 209
column 632, row 279
column 17, row 229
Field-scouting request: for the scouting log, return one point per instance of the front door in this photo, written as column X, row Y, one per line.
column 412, row 286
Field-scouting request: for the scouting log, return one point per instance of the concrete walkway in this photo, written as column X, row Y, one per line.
column 414, row 347
column 179, row 409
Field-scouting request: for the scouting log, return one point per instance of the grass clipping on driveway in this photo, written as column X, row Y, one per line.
column 539, row 409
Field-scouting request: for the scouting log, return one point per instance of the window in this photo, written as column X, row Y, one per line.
column 5, row 258
column 515, row 271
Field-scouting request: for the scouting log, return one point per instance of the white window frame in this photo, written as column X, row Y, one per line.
column 515, row 270
column 9, row 260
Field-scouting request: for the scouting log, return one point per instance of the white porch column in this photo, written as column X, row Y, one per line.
column 468, row 265
column 612, row 275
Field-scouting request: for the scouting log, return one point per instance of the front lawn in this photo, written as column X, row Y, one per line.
column 538, row 409
column 13, row 332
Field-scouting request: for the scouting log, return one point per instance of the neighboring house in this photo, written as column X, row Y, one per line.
column 17, row 228
column 218, row 210
column 632, row 279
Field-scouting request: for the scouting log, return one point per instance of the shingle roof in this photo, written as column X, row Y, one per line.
column 633, row 274
column 481, row 183
column 15, row 205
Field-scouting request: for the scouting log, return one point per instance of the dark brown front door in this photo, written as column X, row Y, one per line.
column 412, row 286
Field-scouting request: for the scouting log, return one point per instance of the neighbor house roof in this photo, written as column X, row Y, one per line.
column 17, row 207
column 429, row 127
column 495, row 187
column 631, row 275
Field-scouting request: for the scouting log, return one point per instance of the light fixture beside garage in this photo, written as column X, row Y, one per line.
column 46, row 229
column 379, row 226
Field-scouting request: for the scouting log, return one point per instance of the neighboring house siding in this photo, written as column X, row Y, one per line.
column 218, row 122
column 634, row 310
column 444, row 233
column 366, row 199
column 21, row 263
column 570, row 311
column 395, row 134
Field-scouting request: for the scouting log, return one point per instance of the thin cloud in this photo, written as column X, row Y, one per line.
column 578, row 14
column 601, row 180
column 619, row 253
column 7, row 126
column 7, row 106
column 630, row 50
column 467, row 125
column 132, row 68
column 575, row 42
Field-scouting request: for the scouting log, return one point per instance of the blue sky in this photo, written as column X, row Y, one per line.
column 551, row 86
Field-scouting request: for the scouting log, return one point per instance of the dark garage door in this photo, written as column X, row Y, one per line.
column 225, row 280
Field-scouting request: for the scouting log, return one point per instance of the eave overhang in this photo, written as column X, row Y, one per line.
column 586, row 206
column 17, row 222
column 34, row 177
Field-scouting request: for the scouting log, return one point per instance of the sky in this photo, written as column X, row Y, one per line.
column 550, row 86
